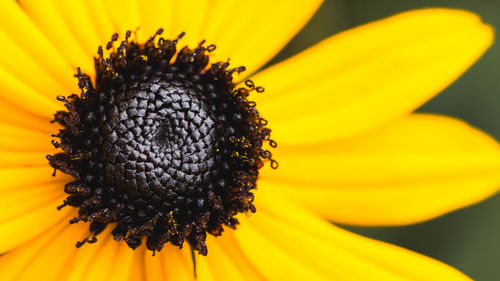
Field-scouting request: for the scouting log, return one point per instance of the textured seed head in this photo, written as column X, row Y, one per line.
column 162, row 150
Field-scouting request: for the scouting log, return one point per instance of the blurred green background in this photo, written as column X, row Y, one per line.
column 468, row 239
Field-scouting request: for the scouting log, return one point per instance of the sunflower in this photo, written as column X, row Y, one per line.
column 163, row 145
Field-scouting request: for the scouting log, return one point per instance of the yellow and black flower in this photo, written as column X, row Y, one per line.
column 160, row 151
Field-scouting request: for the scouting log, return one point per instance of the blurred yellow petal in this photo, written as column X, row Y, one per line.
column 230, row 246
column 190, row 17
column 50, row 261
column 12, row 264
column 105, row 260
column 337, row 253
column 170, row 263
column 14, row 138
column 157, row 14
column 15, row 178
column 327, row 259
column 98, row 12
column 203, row 271
column 137, row 271
column 19, row 63
column 80, row 22
column 251, row 32
column 220, row 263
column 15, row 115
column 123, row 263
column 177, row 263
column 25, row 33
column 153, row 267
column 15, row 91
column 101, row 265
column 414, row 169
column 19, row 230
column 365, row 77
column 82, row 261
column 12, row 159
column 176, row 17
column 125, row 15
column 272, row 260
column 17, row 203
column 50, row 22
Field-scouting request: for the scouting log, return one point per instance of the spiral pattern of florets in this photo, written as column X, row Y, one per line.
column 163, row 149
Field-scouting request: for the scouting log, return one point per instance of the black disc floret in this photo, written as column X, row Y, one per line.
column 163, row 147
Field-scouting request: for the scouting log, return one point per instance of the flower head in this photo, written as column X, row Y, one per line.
column 166, row 149
column 165, row 144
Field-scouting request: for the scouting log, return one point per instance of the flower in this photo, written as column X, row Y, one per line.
column 350, row 148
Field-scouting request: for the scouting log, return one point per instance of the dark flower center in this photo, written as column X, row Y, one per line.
column 163, row 148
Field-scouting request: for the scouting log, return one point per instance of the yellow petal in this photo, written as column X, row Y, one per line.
column 251, row 32
column 190, row 17
column 14, row 263
column 153, row 267
column 22, row 201
column 273, row 261
column 333, row 252
column 175, row 17
column 27, row 35
column 51, row 261
column 16, row 138
column 51, row 23
column 77, row 269
column 220, row 264
column 203, row 271
column 21, row 229
column 325, row 259
column 233, row 250
column 125, row 15
column 171, row 263
column 137, row 271
column 99, row 14
column 225, row 261
column 157, row 14
column 10, row 159
column 104, row 260
column 123, row 263
column 11, row 113
column 80, row 22
column 12, row 179
column 177, row 263
column 17, row 92
column 365, row 77
column 18, row 62
column 414, row 169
